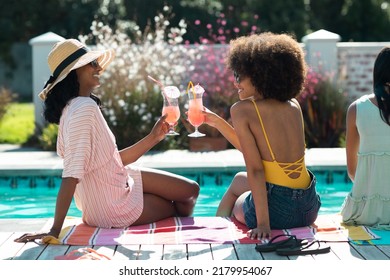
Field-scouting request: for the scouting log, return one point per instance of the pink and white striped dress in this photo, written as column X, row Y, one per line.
column 109, row 194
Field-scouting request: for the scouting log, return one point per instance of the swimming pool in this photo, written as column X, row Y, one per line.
column 34, row 197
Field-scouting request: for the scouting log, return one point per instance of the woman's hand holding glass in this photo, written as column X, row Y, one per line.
column 160, row 129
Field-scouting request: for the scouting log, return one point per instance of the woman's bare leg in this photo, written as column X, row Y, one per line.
column 155, row 209
column 166, row 195
column 238, row 186
column 238, row 211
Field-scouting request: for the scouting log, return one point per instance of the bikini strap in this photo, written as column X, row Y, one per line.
column 262, row 126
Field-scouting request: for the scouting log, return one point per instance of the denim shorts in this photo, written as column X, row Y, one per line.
column 287, row 207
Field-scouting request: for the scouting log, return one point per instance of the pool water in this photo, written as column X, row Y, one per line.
column 37, row 200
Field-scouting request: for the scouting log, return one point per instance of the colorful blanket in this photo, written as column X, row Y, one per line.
column 187, row 230
column 331, row 228
column 383, row 238
column 178, row 230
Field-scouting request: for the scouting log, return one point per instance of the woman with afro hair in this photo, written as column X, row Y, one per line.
column 277, row 191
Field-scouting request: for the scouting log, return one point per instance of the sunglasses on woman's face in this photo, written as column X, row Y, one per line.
column 236, row 77
column 94, row 63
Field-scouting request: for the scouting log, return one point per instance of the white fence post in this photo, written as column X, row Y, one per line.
column 321, row 51
column 41, row 46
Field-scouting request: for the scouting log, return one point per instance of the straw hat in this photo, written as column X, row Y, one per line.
column 68, row 55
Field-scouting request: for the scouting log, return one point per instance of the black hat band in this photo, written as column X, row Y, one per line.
column 65, row 63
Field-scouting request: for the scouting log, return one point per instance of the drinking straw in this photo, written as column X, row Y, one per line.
column 162, row 88
column 157, row 82
column 193, row 89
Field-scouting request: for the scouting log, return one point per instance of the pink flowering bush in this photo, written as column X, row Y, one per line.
column 324, row 106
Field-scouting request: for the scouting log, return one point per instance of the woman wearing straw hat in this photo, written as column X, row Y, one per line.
column 108, row 190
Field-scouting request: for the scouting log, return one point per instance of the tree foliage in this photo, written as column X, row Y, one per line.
column 353, row 20
column 24, row 19
column 359, row 20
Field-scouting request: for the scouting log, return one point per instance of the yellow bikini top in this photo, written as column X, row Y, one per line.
column 278, row 172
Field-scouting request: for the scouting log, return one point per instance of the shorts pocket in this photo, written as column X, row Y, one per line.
column 310, row 214
column 281, row 212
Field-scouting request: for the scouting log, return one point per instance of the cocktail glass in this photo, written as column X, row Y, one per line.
column 195, row 116
column 171, row 107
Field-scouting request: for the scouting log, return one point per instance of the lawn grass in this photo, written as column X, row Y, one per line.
column 18, row 123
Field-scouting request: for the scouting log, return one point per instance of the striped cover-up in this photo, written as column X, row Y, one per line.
column 108, row 193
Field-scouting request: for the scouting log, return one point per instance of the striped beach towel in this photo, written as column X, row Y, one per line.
column 191, row 230
column 175, row 230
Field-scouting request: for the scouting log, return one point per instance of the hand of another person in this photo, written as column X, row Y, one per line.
column 261, row 232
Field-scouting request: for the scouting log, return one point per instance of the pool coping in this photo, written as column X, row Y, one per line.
column 21, row 162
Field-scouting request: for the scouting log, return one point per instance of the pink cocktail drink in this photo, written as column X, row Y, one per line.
column 195, row 116
column 171, row 107
column 195, row 108
column 173, row 114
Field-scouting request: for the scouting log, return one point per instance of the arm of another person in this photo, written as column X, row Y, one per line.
column 134, row 152
column 255, row 170
column 228, row 131
column 352, row 141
